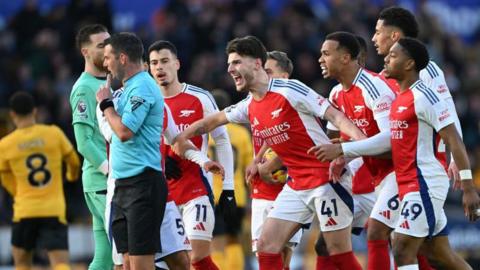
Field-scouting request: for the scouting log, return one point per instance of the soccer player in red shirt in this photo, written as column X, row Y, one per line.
column 366, row 99
column 286, row 114
column 418, row 115
column 192, row 192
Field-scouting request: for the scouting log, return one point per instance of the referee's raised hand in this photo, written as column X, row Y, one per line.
column 104, row 90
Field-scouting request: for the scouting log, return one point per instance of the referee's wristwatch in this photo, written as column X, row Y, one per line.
column 106, row 103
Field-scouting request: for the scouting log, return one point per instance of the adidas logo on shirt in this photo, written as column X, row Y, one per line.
column 405, row 225
column 199, row 227
column 331, row 222
column 385, row 214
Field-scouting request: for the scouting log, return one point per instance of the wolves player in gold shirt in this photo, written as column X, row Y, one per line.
column 227, row 250
column 31, row 170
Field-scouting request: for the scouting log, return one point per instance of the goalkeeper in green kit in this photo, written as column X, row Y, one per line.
column 90, row 142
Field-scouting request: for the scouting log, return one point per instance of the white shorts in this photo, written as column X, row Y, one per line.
column 421, row 216
column 172, row 232
column 260, row 210
column 333, row 204
column 199, row 218
column 362, row 207
column 387, row 207
column 116, row 257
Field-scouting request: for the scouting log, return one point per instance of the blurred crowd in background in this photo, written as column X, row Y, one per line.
column 38, row 55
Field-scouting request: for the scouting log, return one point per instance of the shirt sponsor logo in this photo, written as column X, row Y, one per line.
column 444, row 115
column 384, row 106
column 398, row 124
column 276, row 113
column 274, row 135
column 361, row 123
column 442, row 89
column 186, row 113
column 320, row 100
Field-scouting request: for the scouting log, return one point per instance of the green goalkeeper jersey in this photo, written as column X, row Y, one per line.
column 90, row 142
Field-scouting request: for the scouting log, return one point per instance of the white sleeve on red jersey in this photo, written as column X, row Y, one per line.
column 219, row 135
column 377, row 95
column 170, row 131
column 238, row 113
column 434, row 78
column 332, row 98
column 301, row 97
column 430, row 108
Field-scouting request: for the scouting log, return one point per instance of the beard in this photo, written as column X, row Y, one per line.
column 98, row 62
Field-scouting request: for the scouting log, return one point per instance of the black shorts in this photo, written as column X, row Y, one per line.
column 138, row 207
column 221, row 227
column 44, row 233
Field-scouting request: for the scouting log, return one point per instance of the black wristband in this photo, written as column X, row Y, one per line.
column 104, row 104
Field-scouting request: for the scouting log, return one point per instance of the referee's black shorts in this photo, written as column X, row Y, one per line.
column 138, row 207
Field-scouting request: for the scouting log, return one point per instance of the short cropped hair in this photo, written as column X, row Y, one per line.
column 83, row 35
column 362, row 42
column 401, row 18
column 248, row 46
column 283, row 61
column 21, row 103
column 346, row 41
column 415, row 50
column 127, row 43
column 163, row 44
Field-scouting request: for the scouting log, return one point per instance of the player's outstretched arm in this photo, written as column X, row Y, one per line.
column 338, row 119
column 200, row 127
column 471, row 200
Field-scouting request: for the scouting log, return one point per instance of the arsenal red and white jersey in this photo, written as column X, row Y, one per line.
column 366, row 102
column 433, row 77
column 288, row 119
column 260, row 188
column 190, row 105
column 416, row 116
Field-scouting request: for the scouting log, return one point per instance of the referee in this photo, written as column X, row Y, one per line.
column 140, row 189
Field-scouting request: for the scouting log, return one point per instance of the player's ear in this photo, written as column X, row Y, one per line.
column 395, row 35
column 409, row 64
column 84, row 51
column 177, row 64
column 258, row 63
column 123, row 58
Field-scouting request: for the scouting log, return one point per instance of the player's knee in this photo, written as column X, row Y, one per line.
column 378, row 231
column 321, row 247
column 61, row 266
column 268, row 246
column 178, row 261
column 402, row 254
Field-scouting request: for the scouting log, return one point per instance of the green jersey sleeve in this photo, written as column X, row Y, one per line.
column 83, row 105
